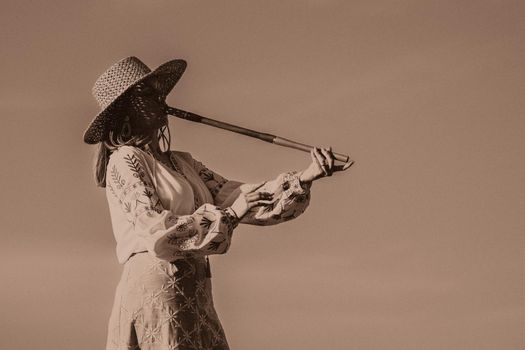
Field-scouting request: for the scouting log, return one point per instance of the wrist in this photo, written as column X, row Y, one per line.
column 295, row 183
column 232, row 212
column 231, row 218
column 305, row 179
column 238, row 208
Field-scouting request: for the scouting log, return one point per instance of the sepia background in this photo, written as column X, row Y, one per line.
column 420, row 245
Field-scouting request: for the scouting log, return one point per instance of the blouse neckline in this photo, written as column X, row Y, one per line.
column 173, row 165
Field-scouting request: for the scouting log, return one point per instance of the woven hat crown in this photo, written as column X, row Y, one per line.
column 119, row 77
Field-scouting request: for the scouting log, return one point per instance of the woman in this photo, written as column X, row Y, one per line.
column 169, row 212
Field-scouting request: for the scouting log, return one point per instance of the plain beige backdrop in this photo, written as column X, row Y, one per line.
column 419, row 246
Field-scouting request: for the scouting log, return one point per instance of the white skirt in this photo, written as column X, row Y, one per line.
column 163, row 305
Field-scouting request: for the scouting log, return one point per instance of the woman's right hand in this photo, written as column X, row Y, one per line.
column 250, row 198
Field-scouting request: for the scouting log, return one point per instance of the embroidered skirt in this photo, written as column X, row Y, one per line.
column 164, row 306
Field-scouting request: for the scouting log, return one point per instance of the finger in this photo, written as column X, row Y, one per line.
column 327, row 153
column 338, row 168
column 265, row 202
column 263, row 195
column 259, row 203
column 247, row 188
column 348, row 164
column 331, row 161
column 254, row 196
column 312, row 155
column 329, row 158
column 320, row 160
column 258, row 186
column 331, row 155
column 343, row 167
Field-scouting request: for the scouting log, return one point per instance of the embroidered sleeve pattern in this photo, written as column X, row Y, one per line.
column 133, row 189
column 290, row 196
column 213, row 181
column 290, row 199
column 207, row 231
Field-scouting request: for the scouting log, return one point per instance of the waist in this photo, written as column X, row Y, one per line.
column 145, row 263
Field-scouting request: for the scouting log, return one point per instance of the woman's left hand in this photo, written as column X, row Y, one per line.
column 322, row 165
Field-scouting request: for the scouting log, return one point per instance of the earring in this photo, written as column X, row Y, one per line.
column 126, row 127
column 164, row 138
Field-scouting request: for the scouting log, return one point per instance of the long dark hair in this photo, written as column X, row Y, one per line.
column 139, row 137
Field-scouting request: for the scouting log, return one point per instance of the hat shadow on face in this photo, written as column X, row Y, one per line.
column 146, row 107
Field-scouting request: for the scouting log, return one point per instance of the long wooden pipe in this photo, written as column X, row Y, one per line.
column 281, row 141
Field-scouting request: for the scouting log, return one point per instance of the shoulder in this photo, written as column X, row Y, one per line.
column 124, row 151
column 129, row 164
column 184, row 155
column 187, row 158
column 128, row 154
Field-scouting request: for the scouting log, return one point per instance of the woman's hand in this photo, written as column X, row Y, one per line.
column 250, row 198
column 322, row 165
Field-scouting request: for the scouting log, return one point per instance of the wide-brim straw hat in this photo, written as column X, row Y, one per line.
column 115, row 83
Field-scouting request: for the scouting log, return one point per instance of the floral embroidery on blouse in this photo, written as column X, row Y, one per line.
column 207, row 231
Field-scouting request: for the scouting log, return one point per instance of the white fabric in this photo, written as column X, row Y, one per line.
column 152, row 206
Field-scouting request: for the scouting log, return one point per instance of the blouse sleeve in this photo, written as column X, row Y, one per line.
column 167, row 236
column 290, row 196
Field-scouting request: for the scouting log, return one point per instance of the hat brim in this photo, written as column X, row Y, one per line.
column 167, row 75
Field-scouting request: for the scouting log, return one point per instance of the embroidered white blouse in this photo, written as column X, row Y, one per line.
column 182, row 210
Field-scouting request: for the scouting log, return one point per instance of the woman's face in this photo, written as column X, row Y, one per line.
column 147, row 106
